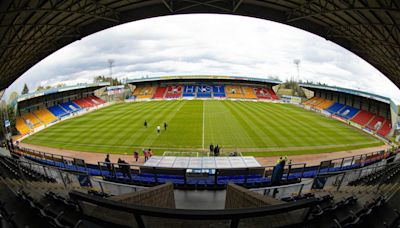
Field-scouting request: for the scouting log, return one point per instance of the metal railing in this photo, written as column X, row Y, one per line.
column 126, row 172
column 283, row 191
column 339, row 179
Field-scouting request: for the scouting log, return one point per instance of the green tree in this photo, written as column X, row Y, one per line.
column 13, row 96
column 40, row 87
column 112, row 81
column 25, row 90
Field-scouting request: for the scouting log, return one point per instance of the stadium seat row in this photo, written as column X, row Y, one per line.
column 204, row 91
column 29, row 121
column 142, row 177
column 366, row 119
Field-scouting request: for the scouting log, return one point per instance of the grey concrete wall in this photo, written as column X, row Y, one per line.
column 239, row 197
column 159, row 196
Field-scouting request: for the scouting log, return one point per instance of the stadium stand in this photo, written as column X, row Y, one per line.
column 310, row 101
column 249, row 93
column 21, row 126
column 204, row 91
column 96, row 100
column 30, row 118
column 45, row 116
column 234, row 91
column 336, row 107
column 189, row 91
column 160, row 92
column 314, row 101
column 324, row 104
column 219, row 91
column 273, row 94
column 347, row 112
column 357, row 202
column 83, row 103
column 146, row 92
column 174, row 92
column 137, row 91
column 376, row 123
column 262, row 93
column 70, row 107
column 385, row 129
column 362, row 118
column 58, row 111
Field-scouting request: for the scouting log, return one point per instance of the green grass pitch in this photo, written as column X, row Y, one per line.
column 253, row 128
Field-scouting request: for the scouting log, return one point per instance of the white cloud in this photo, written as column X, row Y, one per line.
column 207, row 44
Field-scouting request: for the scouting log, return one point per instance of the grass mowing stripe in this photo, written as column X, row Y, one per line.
column 292, row 126
column 281, row 135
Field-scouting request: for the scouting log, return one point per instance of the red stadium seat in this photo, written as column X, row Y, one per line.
column 385, row 129
column 160, row 91
column 362, row 117
column 374, row 121
column 174, row 92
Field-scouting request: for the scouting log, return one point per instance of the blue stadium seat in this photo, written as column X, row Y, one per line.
column 58, row 111
column 348, row 112
column 204, row 91
column 219, row 91
column 189, row 91
column 335, row 107
column 70, row 107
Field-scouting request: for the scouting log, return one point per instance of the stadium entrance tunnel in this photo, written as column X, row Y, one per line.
column 32, row 30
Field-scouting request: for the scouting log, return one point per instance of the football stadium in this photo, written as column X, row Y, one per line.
column 199, row 150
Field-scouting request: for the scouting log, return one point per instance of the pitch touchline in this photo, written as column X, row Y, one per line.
column 202, row 141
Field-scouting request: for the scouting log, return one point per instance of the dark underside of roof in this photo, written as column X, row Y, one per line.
column 30, row 30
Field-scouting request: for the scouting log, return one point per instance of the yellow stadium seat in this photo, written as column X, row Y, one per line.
column 249, row 93
column 22, row 127
column 45, row 115
column 234, row 92
column 146, row 92
column 31, row 118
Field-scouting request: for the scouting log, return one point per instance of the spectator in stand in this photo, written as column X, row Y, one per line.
column 108, row 162
column 277, row 173
column 124, row 167
column 136, row 155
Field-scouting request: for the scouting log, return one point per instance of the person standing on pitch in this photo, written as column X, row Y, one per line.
column 211, row 148
column 158, row 129
column 146, row 155
column 145, row 123
column 165, row 126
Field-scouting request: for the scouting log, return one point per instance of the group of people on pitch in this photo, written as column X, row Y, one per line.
column 158, row 128
column 146, row 153
column 214, row 150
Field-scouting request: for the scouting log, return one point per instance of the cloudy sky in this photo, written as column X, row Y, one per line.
column 207, row 44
